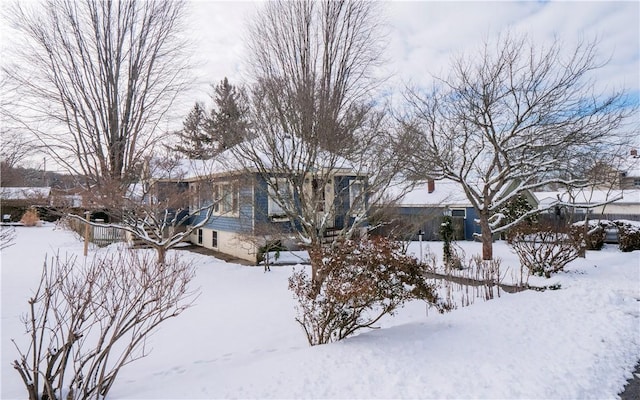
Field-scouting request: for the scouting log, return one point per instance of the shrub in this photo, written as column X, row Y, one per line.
column 544, row 248
column 275, row 246
column 449, row 256
column 595, row 235
column 628, row 235
column 357, row 283
column 87, row 320
column 30, row 218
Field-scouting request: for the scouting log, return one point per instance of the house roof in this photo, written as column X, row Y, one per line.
column 446, row 193
column 587, row 197
column 631, row 166
column 229, row 161
column 24, row 193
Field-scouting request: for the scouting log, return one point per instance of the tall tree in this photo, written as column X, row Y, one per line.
column 99, row 76
column 229, row 119
column 313, row 68
column 194, row 139
column 515, row 117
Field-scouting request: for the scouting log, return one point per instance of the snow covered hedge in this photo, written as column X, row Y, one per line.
column 593, row 235
column 628, row 235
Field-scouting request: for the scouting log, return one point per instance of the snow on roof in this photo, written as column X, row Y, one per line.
column 184, row 169
column 588, row 196
column 229, row 162
column 24, row 193
column 446, row 193
column 290, row 150
column 631, row 166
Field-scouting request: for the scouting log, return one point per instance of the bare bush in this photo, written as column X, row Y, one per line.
column 86, row 321
column 544, row 248
column 31, row 218
column 7, row 237
column 357, row 283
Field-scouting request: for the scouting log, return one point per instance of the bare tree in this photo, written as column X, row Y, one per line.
column 16, row 143
column 88, row 320
column 321, row 149
column 96, row 78
column 159, row 211
column 514, row 118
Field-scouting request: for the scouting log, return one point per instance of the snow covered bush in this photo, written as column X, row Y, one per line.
column 86, row 320
column 450, row 256
column 591, row 234
column 628, row 235
column 30, row 218
column 544, row 248
column 358, row 283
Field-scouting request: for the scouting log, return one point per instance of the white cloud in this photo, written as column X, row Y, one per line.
column 424, row 35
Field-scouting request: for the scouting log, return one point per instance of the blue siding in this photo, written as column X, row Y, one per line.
column 470, row 225
column 236, row 224
column 261, row 201
column 433, row 218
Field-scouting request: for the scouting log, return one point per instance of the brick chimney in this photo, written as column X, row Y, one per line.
column 634, row 153
column 431, row 185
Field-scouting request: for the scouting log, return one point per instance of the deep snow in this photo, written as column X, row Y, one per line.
column 241, row 340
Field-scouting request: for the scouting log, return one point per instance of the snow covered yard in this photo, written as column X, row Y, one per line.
column 241, row 340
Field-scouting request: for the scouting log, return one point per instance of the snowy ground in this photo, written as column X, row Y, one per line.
column 241, row 340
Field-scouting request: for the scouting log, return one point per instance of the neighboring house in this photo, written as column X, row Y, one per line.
column 421, row 209
column 630, row 171
column 606, row 204
column 245, row 214
column 14, row 201
column 67, row 198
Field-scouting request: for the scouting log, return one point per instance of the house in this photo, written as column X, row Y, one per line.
column 420, row 208
column 630, row 171
column 14, row 201
column 605, row 204
column 246, row 214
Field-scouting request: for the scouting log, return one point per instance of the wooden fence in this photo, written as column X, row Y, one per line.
column 98, row 235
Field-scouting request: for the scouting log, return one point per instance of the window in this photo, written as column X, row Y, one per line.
column 460, row 212
column 201, row 195
column 356, row 197
column 214, row 239
column 226, row 196
column 636, row 181
column 199, row 236
column 280, row 194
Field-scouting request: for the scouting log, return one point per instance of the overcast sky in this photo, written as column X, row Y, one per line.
column 424, row 35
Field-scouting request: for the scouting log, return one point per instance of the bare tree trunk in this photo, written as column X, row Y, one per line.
column 487, row 237
column 315, row 258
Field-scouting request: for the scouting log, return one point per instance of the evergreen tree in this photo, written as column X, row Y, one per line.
column 196, row 141
column 228, row 123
